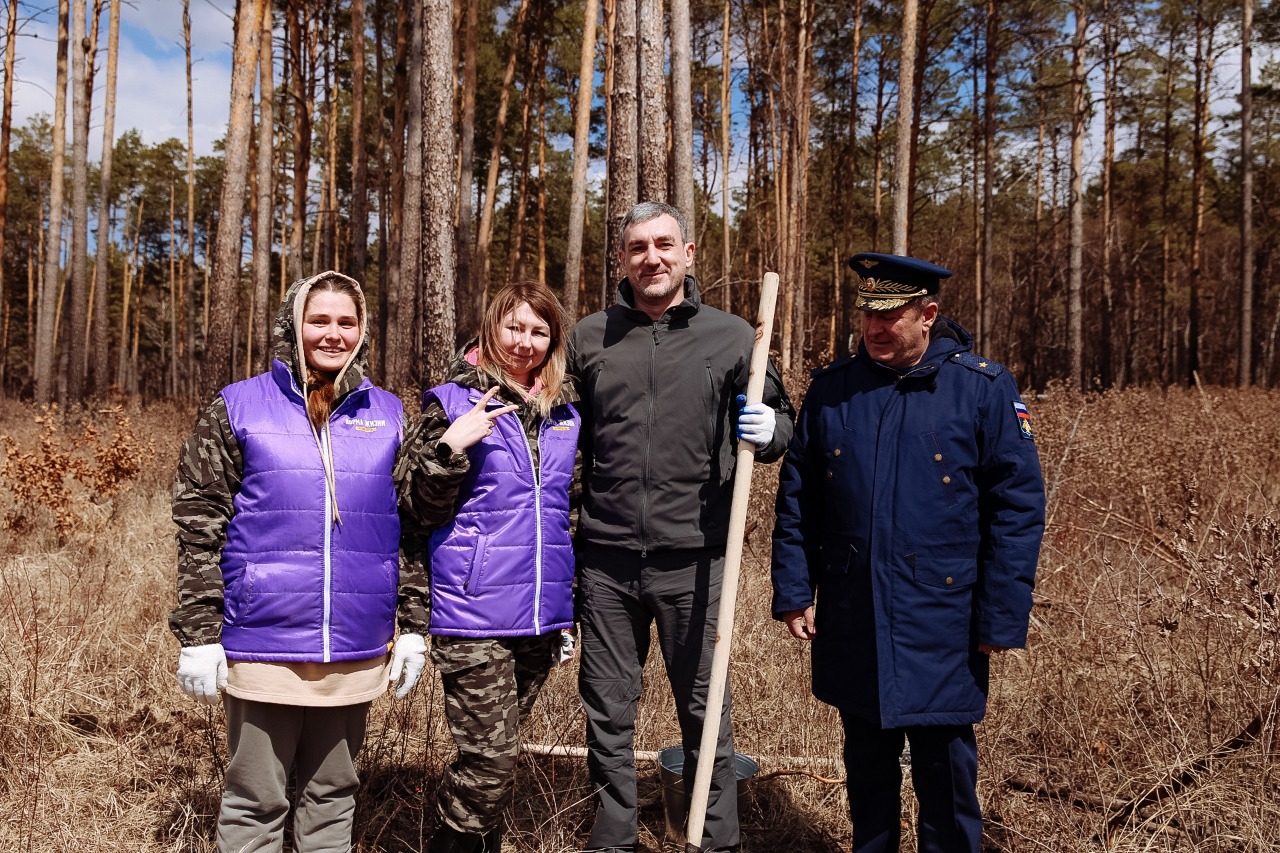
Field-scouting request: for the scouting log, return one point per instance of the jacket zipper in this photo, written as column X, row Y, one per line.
column 328, row 528
column 328, row 567
column 537, row 526
column 648, row 447
column 328, row 513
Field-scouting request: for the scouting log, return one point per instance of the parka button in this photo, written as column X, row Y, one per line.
column 946, row 481
column 949, row 581
column 835, row 452
column 937, row 457
column 829, row 475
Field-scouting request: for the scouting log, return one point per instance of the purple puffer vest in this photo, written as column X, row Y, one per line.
column 503, row 567
column 298, row 587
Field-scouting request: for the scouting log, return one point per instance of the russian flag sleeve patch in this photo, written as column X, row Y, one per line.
column 1024, row 419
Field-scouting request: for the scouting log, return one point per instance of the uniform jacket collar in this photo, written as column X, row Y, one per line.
column 946, row 338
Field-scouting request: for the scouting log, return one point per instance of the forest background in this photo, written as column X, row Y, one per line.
column 1095, row 173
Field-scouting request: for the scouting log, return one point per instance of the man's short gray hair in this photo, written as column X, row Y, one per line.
column 646, row 210
column 922, row 300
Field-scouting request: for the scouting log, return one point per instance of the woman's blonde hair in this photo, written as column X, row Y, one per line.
column 493, row 363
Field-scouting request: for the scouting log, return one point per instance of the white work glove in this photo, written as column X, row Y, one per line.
column 755, row 422
column 202, row 672
column 410, row 657
column 568, row 648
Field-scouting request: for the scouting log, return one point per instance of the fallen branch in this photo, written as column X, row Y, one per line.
column 652, row 755
column 1190, row 776
column 1045, row 791
column 825, row 780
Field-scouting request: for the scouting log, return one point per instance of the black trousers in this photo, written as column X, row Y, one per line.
column 622, row 595
column 944, row 774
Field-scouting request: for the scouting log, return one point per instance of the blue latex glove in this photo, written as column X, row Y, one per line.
column 755, row 422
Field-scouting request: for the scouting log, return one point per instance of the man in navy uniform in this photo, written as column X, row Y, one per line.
column 909, row 517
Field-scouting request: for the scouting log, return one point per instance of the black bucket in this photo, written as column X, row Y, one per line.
column 671, row 770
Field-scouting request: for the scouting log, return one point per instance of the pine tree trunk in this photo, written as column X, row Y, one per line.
column 542, row 183
column 534, row 81
column 581, row 138
column 726, row 119
column 225, row 275
column 189, row 274
column 6, row 134
column 395, row 193
column 653, row 102
column 682, row 116
column 1107, row 355
column 902, row 160
column 1162, row 364
column 78, row 259
column 877, row 153
column 990, row 106
column 98, row 376
column 466, row 298
column 403, row 335
column 171, row 384
column 330, row 250
column 46, row 328
column 485, row 236
column 609, row 10
column 1206, row 31
column 131, row 385
column 515, row 256
column 302, row 98
column 359, row 157
column 623, row 128
column 1244, row 371
column 438, row 171
column 1079, row 121
column 845, row 311
column 798, row 205
column 122, row 363
column 260, row 316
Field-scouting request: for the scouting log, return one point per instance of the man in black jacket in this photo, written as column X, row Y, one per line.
column 660, row 376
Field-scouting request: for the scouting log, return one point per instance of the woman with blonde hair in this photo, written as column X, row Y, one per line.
column 489, row 471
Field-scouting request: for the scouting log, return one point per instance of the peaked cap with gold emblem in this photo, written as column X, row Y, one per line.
column 886, row 282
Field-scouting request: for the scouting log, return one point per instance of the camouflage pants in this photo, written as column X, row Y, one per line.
column 490, row 686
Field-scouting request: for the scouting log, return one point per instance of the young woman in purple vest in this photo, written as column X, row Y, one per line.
column 489, row 472
column 288, row 567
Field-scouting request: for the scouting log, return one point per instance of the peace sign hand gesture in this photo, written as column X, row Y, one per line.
column 475, row 424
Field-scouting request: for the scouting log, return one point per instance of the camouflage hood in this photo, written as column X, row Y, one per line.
column 287, row 348
column 287, row 335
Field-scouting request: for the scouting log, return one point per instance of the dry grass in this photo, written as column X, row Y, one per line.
column 1142, row 718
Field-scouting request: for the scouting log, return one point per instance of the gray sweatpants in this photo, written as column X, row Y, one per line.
column 266, row 741
column 622, row 594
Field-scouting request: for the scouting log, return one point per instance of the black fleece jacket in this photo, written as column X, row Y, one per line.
column 659, row 416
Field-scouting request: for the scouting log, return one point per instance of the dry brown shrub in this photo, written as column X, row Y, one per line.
column 1153, row 649
column 68, row 477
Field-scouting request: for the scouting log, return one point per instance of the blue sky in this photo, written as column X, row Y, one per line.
column 151, row 93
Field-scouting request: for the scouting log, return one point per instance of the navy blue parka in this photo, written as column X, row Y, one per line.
column 910, row 512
